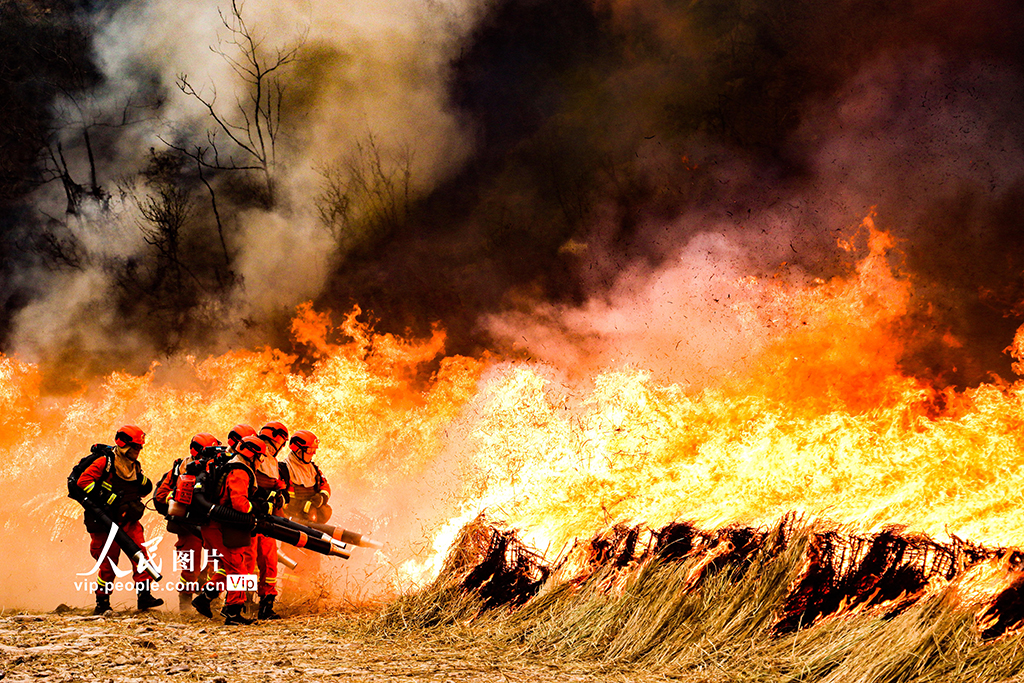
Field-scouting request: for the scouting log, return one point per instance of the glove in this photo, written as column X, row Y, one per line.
column 315, row 502
column 281, row 489
column 104, row 495
column 266, row 502
column 131, row 510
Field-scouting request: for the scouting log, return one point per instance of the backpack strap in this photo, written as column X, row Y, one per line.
column 97, row 451
column 101, row 450
column 227, row 468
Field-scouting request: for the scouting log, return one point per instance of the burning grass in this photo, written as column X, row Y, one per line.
column 803, row 600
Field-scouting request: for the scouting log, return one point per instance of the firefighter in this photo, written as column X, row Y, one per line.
column 237, row 433
column 308, row 490
column 271, row 488
column 115, row 481
column 236, row 488
column 213, row 538
column 189, row 546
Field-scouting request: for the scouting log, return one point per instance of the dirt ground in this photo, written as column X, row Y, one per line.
column 163, row 646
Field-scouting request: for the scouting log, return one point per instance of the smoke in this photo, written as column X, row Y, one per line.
column 530, row 169
column 366, row 87
column 687, row 321
column 926, row 136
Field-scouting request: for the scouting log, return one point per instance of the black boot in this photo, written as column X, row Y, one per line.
column 267, row 608
column 146, row 599
column 203, row 601
column 233, row 615
column 102, row 604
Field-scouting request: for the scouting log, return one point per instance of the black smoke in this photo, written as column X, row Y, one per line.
column 605, row 136
column 601, row 121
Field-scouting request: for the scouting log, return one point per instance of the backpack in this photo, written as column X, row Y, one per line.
column 98, row 450
column 213, row 469
column 210, row 469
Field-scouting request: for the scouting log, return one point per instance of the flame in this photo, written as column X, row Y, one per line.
column 819, row 419
column 380, row 419
column 822, row 421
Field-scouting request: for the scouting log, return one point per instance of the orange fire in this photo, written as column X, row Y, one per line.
column 415, row 443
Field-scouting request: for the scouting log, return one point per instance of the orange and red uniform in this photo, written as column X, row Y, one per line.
column 190, row 540
column 269, row 486
column 308, row 493
column 124, row 478
column 235, row 544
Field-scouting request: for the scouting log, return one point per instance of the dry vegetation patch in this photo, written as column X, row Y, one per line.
column 162, row 646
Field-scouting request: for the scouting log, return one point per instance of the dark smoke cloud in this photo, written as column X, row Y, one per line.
column 578, row 162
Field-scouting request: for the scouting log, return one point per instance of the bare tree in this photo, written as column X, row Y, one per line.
column 58, row 247
column 76, row 114
column 366, row 193
column 165, row 212
column 172, row 283
column 252, row 124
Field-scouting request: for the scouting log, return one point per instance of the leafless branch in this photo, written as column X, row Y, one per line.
column 253, row 123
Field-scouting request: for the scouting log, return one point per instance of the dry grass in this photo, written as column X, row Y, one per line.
column 651, row 616
column 643, row 617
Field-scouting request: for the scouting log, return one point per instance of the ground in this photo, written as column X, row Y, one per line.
column 163, row 646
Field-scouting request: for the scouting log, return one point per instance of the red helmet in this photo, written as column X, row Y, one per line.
column 252, row 447
column 239, row 432
column 130, row 436
column 200, row 441
column 304, row 443
column 274, row 432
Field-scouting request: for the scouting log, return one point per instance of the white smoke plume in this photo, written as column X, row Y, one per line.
column 365, row 74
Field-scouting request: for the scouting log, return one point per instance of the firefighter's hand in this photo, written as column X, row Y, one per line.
column 281, row 491
column 105, row 495
column 266, row 508
column 319, row 500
